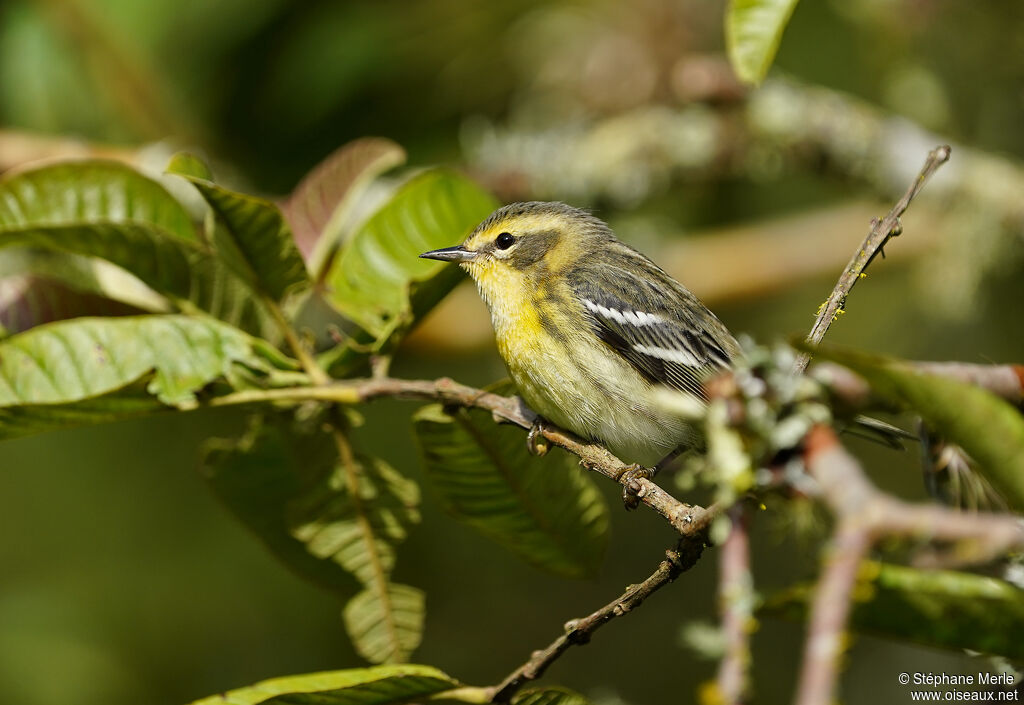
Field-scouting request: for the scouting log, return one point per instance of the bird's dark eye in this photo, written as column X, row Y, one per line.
column 505, row 241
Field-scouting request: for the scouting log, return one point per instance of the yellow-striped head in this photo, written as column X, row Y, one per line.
column 525, row 241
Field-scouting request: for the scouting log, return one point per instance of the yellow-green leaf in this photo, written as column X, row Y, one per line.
column 386, row 625
column 380, row 685
column 69, row 361
column 93, row 191
column 549, row 696
column 753, row 31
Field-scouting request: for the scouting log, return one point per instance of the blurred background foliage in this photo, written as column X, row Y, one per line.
column 124, row 582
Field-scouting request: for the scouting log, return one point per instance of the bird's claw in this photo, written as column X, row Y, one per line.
column 536, row 443
column 631, row 485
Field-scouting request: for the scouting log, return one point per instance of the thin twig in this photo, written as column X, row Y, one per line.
column 736, row 602
column 689, row 520
column 578, row 631
column 881, row 231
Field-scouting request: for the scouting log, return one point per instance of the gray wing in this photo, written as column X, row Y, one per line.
column 654, row 327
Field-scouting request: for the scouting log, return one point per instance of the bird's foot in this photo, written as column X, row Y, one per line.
column 536, row 443
column 631, row 485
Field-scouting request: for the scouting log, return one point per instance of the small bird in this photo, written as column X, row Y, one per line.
column 589, row 328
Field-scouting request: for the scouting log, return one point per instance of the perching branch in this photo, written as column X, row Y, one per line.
column 689, row 520
column 881, row 231
column 578, row 632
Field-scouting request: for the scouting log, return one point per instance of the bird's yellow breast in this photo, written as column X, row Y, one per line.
column 568, row 375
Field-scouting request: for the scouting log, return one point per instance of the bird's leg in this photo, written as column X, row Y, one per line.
column 536, row 443
column 629, row 480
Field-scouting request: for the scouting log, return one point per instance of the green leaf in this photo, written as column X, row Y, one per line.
column 379, row 281
column 71, row 193
column 261, row 475
column 185, row 164
column 989, row 429
column 940, row 608
column 753, row 31
column 287, row 483
column 549, row 696
column 73, row 360
column 386, row 625
column 380, row 685
column 25, row 420
column 321, row 206
column 255, row 240
column 546, row 510
column 180, row 270
column 108, row 211
column 333, row 526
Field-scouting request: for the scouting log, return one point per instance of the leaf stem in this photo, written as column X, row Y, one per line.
column 308, row 362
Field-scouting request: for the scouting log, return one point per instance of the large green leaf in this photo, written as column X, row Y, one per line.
column 989, row 429
column 71, row 193
column 546, row 510
column 378, row 279
column 254, row 240
column 946, row 609
column 753, row 31
column 386, row 625
column 109, row 211
column 380, row 685
column 183, row 271
column 74, row 360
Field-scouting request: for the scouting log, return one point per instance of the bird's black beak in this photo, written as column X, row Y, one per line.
column 451, row 254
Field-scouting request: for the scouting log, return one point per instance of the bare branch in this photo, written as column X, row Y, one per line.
column 829, row 612
column 578, row 632
column 881, row 231
column 736, row 602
